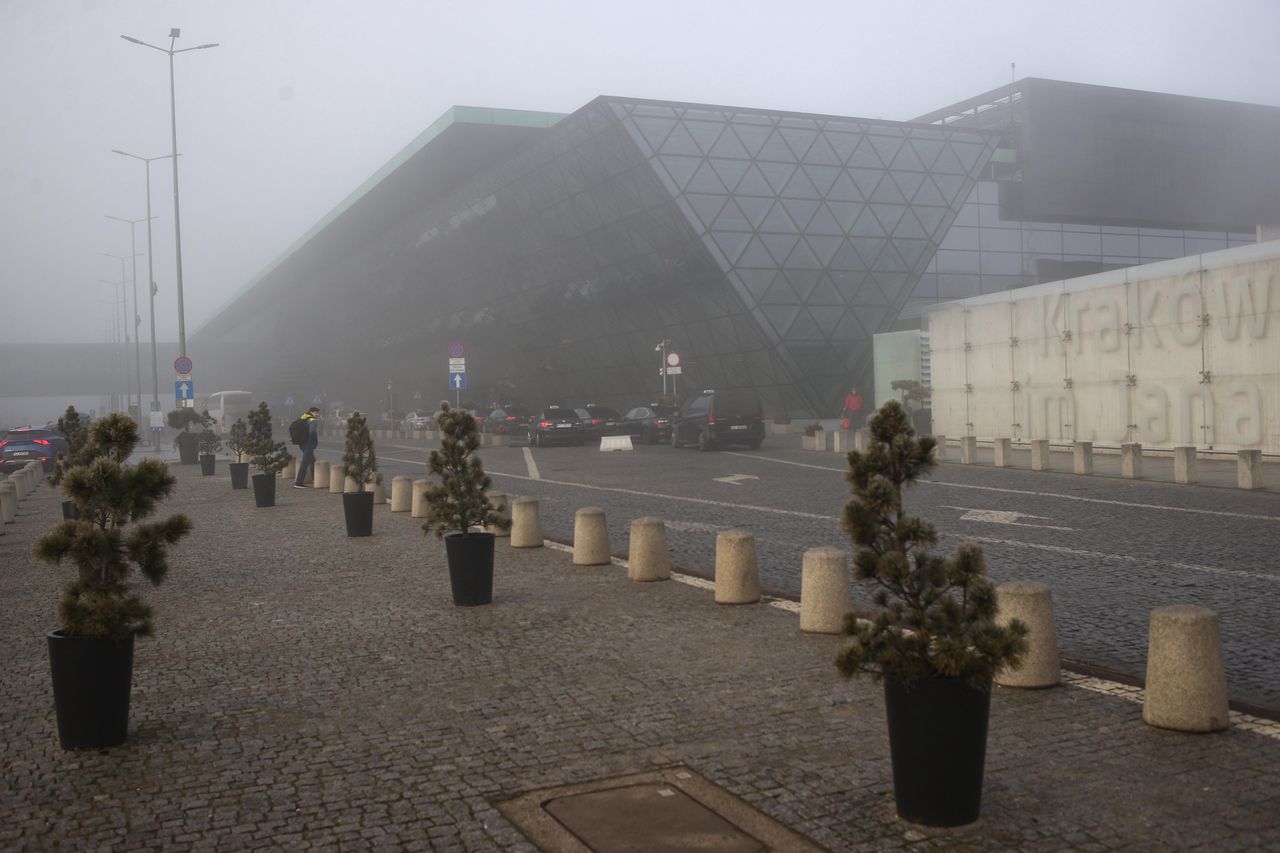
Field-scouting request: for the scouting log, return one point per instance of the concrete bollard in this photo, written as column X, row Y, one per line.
column 940, row 449
column 19, row 486
column 349, row 484
column 817, row 441
column 861, row 440
column 8, row 502
column 824, row 591
column 968, row 449
column 337, row 479
column 1040, row 454
column 418, row 502
column 1031, row 604
column 1131, row 460
column 1248, row 469
column 291, row 470
column 841, row 441
column 1184, row 465
column 321, row 480
column 590, row 537
column 737, row 574
column 401, row 493
column 1082, row 457
column 526, row 525
column 648, row 559
column 498, row 500
column 379, row 491
column 1002, row 448
column 1186, row 684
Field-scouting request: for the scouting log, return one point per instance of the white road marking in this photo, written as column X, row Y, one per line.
column 1000, row 516
column 532, row 466
column 1129, row 693
column 735, row 479
column 693, row 526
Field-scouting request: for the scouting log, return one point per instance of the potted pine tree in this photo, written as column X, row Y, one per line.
column 75, row 429
column 458, row 508
column 934, row 641
column 186, row 442
column 269, row 457
column 361, row 465
column 91, row 654
column 210, row 444
column 238, row 443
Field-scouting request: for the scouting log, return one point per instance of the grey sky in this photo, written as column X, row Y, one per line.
column 304, row 99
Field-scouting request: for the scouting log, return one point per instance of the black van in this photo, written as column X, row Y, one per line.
column 717, row 418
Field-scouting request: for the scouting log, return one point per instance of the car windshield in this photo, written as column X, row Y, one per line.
column 559, row 415
column 742, row 403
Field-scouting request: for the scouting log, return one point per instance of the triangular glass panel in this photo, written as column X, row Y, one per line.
column 909, row 182
column 908, row 226
column 802, row 257
column 775, row 148
column 728, row 145
column 731, row 244
column 705, row 180
column 867, row 293
column 866, row 180
column 730, row 171
column 867, row 225
column 822, row 176
column 844, row 189
column 849, row 329
column 780, row 317
column 681, row 169
column 780, row 245
column 803, row 281
column 950, row 186
column 753, row 137
column 868, row 249
column 827, row 317
column 891, row 284
column 906, row 160
column 930, row 218
column 654, row 130
column 798, row 140
column 619, row 110
column 704, row 133
column 653, row 110
column 777, row 221
column 887, row 193
column 823, row 246
column 801, row 210
column 845, row 212
column 820, row 153
column 929, row 194
column 823, row 223
column 777, row 174
column 889, row 261
column 826, row 293
column 910, row 250
column 779, row 293
column 969, row 153
column 888, row 214
column 872, row 317
column 804, row 328
column 680, row 142
column 757, row 255
column 753, row 183
column 927, row 149
column 755, row 281
column 731, row 218
column 623, row 239
column 846, row 259
column 886, row 146
column 865, row 156
column 842, row 144
column 754, row 208
column 800, row 187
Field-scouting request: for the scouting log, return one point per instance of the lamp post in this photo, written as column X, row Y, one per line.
column 662, row 368
column 124, row 308
column 177, row 217
column 117, row 299
column 137, row 318
column 151, row 280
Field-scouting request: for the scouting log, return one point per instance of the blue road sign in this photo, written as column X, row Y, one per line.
column 456, row 350
column 458, row 381
column 182, row 364
column 184, row 390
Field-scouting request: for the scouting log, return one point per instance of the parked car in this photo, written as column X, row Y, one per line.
column 598, row 420
column 647, row 424
column 417, row 420
column 557, row 425
column 508, row 420
column 24, row 444
column 719, row 418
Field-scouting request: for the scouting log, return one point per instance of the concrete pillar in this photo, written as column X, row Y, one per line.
column 498, row 500
column 648, row 559
column 590, row 537
column 526, row 524
column 968, row 449
column 940, row 449
column 337, row 479
column 1031, row 604
column 1002, row 447
column 321, row 480
column 1248, row 469
column 737, row 574
column 349, row 483
column 1184, row 465
column 1131, row 461
column 379, row 491
column 1082, row 457
column 500, row 441
column 1186, row 684
column 1040, row 454
column 824, row 591
column 418, row 503
column 8, row 502
column 401, row 493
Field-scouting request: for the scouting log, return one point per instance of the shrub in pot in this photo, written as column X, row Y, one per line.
column 269, row 457
column 458, row 508
column 75, row 429
column 934, row 640
column 185, row 442
column 238, row 444
column 361, row 465
column 210, row 444
column 91, row 654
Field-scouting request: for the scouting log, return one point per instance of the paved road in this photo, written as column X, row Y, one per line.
column 1111, row 549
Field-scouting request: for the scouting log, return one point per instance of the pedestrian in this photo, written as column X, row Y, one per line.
column 851, row 412
column 308, row 442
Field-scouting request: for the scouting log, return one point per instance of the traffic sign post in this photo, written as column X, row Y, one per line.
column 184, row 390
column 182, row 365
column 458, row 381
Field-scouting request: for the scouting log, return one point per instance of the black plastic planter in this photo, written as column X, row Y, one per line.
column 938, row 744
column 207, row 461
column 239, row 475
column 470, row 567
column 264, row 489
column 188, row 448
column 69, row 511
column 358, row 509
column 91, row 681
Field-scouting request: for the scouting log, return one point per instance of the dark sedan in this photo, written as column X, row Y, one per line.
column 556, row 425
column 508, row 420
column 27, row 444
column 598, row 420
column 647, row 424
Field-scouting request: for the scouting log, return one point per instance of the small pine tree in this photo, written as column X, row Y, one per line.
column 913, row 391
column 110, row 496
column 75, row 429
column 458, row 502
column 209, row 441
column 182, row 419
column 238, row 439
column 937, row 616
column 359, row 460
column 269, row 457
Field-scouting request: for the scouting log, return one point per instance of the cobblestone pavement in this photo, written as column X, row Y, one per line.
column 1111, row 549
column 309, row 690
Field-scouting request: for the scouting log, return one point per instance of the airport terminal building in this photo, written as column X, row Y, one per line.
column 766, row 247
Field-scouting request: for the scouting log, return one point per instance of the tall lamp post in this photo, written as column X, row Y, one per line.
column 124, row 308
column 661, row 347
column 117, row 299
column 137, row 318
column 177, row 217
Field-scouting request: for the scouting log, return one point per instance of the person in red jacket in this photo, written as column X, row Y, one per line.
column 851, row 412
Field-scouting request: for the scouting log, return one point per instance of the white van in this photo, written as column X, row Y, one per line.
column 227, row 407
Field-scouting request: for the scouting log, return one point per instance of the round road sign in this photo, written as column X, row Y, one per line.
column 182, row 364
column 455, row 350
column 673, row 359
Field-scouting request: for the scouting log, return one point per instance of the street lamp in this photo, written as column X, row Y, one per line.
column 151, row 280
column 117, row 299
column 124, row 308
column 177, row 218
column 661, row 347
column 137, row 318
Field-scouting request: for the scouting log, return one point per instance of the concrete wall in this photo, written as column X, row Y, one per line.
column 1178, row 352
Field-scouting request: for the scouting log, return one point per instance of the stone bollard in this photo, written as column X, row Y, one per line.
column 1002, row 448
column 1040, row 454
column 526, row 526
column 337, row 479
column 648, row 559
column 291, row 470
column 418, row 503
column 817, row 441
column 1184, row 465
column 824, row 591
column 498, row 500
column 401, row 493
column 1186, row 684
column 841, row 441
column 321, row 480
column 1248, row 469
column 1131, row 460
column 968, row 449
column 1031, row 604
column 379, row 491
column 590, row 537
column 940, row 449
column 8, row 502
column 349, row 484
column 737, row 575
column 1082, row 457
column 19, row 486
column 861, row 440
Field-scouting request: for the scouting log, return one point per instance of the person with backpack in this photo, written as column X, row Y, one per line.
column 305, row 432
